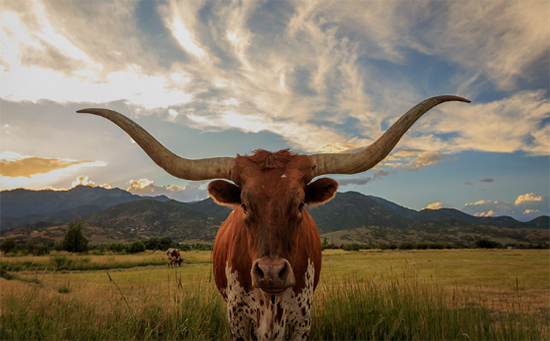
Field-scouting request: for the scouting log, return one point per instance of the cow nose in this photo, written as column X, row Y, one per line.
column 272, row 275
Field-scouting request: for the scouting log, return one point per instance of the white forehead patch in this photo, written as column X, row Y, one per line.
column 255, row 315
column 283, row 176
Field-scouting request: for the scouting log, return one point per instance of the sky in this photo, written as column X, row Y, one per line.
column 221, row 78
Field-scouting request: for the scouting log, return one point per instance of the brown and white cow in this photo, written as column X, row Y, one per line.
column 174, row 257
column 267, row 254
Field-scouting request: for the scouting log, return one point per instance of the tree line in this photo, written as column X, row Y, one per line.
column 479, row 244
column 74, row 241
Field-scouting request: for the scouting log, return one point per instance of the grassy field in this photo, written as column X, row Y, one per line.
column 367, row 295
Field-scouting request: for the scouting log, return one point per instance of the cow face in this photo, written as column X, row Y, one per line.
column 269, row 196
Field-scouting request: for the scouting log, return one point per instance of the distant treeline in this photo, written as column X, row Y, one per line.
column 164, row 243
column 480, row 244
column 155, row 243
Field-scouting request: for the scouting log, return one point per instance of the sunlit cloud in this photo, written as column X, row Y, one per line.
column 528, row 198
column 530, row 212
column 84, row 181
column 438, row 205
column 485, row 214
column 413, row 159
column 22, row 170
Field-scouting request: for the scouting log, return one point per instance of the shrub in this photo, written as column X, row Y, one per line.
column 60, row 262
column 487, row 244
column 63, row 290
column 406, row 246
column 136, row 247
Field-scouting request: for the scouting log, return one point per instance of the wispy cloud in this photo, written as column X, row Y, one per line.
column 516, row 123
column 363, row 180
column 300, row 70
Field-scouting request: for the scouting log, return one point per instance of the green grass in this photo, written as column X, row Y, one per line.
column 362, row 296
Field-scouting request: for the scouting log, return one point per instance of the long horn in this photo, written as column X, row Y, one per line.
column 201, row 169
column 353, row 163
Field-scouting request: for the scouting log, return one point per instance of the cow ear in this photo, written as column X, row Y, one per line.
column 225, row 193
column 320, row 191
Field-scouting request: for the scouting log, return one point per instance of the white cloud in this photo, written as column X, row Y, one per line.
column 527, row 206
column 193, row 191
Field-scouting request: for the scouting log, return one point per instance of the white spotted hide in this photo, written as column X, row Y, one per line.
column 256, row 316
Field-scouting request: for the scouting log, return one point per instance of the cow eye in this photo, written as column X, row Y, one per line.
column 244, row 208
column 301, row 206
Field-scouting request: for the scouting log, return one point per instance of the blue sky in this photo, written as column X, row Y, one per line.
column 217, row 78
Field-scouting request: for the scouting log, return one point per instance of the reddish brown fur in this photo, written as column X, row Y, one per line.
column 269, row 238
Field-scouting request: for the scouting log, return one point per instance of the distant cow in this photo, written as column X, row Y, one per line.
column 174, row 257
column 267, row 254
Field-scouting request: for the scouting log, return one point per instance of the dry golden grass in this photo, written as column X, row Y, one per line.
column 362, row 295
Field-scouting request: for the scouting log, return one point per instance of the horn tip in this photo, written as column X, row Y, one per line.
column 454, row 98
column 93, row 111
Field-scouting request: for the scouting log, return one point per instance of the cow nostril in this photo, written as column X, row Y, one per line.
column 283, row 272
column 258, row 271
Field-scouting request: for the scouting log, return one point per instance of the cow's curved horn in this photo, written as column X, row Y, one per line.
column 353, row 163
column 201, row 169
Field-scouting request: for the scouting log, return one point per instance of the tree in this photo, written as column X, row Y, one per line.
column 8, row 245
column 74, row 241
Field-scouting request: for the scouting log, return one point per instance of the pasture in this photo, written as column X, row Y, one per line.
column 365, row 295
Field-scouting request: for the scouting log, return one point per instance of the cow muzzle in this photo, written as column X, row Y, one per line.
column 272, row 275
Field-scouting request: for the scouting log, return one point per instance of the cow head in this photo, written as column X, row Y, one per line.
column 269, row 190
column 269, row 196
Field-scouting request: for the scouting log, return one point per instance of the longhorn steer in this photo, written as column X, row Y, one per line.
column 174, row 257
column 267, row 254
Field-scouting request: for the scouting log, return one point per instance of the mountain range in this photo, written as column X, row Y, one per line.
column 42, row 215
